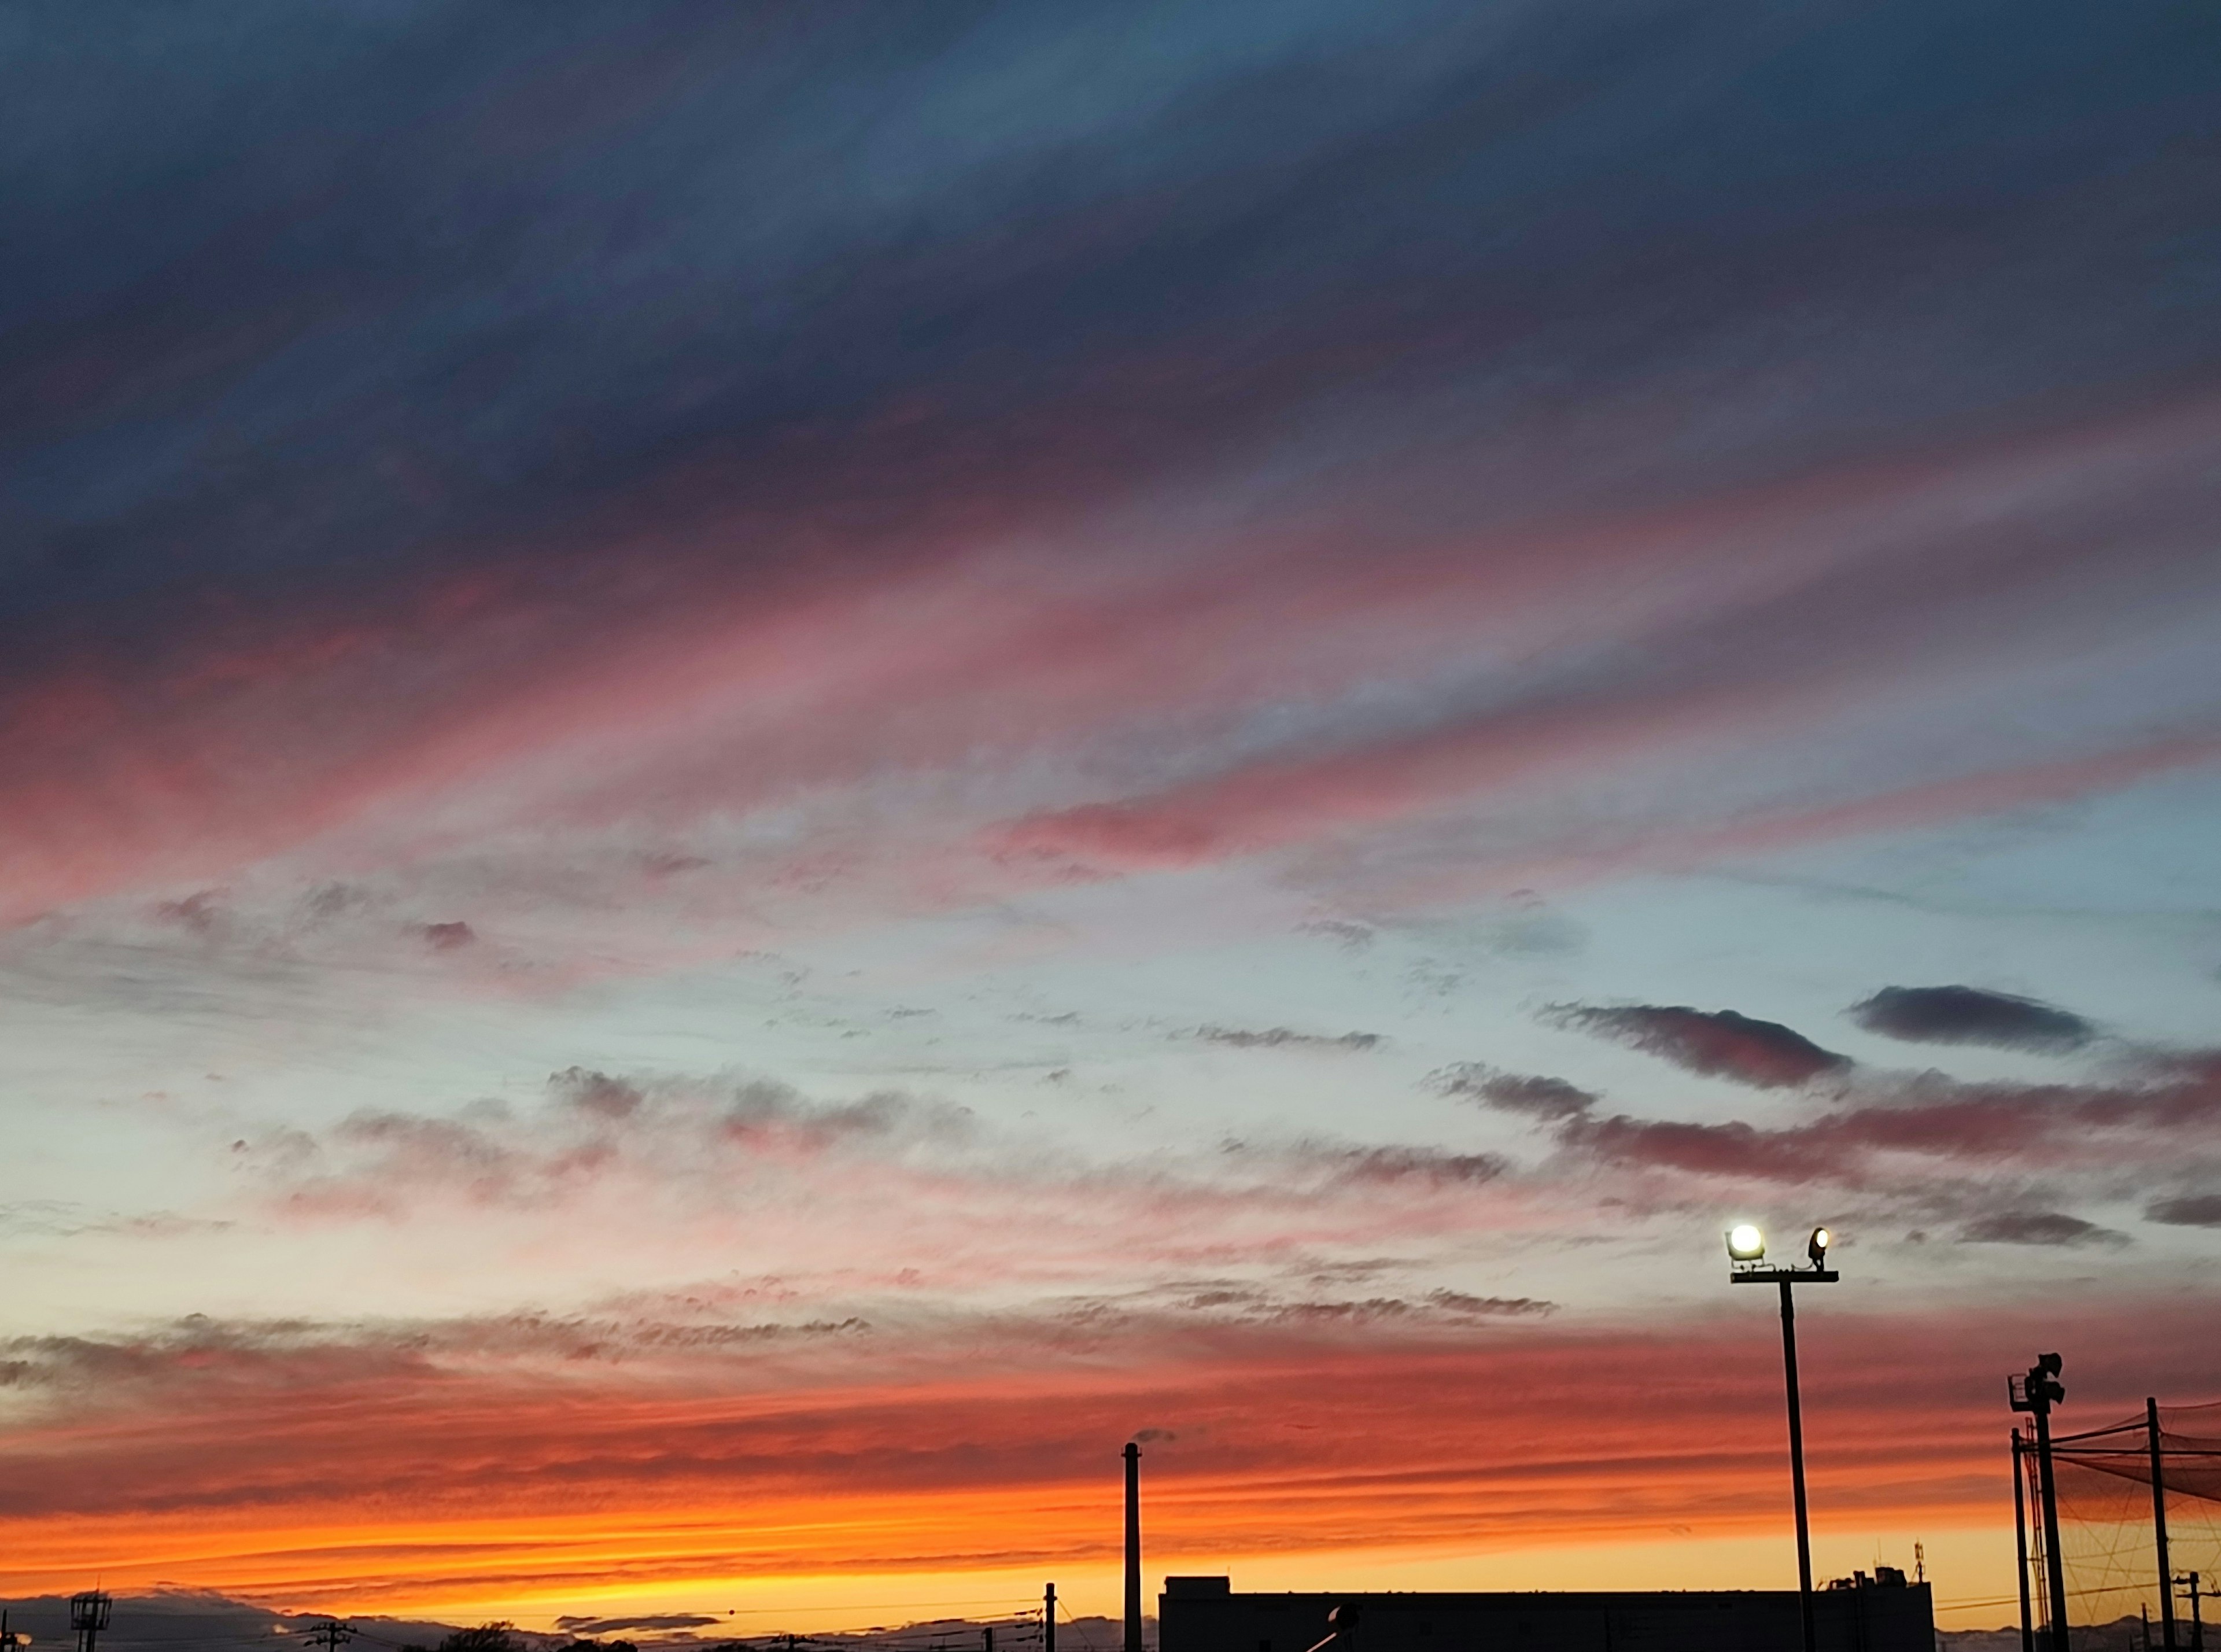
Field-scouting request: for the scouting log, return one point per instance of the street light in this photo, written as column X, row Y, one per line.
column 1747, row 1256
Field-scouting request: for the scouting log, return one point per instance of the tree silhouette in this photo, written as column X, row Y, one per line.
column 486, row 1638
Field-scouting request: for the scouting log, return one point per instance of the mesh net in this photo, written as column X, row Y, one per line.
column 2108, row 1541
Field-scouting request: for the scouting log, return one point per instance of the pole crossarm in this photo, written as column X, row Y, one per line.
column 1760, row 1273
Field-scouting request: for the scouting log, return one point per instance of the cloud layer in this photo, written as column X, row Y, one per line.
column 762, row 769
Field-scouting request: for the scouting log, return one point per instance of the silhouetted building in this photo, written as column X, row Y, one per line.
column 1860, row 1614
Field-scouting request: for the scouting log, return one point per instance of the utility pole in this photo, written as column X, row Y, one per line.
column 1133, row 1548
column 2159, row 1522
column 2197, row 1617
column 2020, row 1542
column 331, row 1635
column 1048, row 1619
column 2038, row 1392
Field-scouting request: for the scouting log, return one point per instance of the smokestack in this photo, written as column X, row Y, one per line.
column 1133, row 1546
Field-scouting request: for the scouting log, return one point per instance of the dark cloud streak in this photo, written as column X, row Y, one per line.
column 2188, row 1210
column 1718, row 1043
column 1970, row 1015
column 2038, row 1228
column 1513, row 1093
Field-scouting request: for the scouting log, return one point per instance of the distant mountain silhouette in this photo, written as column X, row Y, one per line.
column 194, row 1618
column 2122, row 1635
column 185, row 1620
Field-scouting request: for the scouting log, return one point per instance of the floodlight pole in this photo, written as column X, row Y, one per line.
column 2020, row 1546
column 2035, row 1392
column 2055, row 1563
column 1797, row 1460
column 1787, row 1278
column 2159, row 1520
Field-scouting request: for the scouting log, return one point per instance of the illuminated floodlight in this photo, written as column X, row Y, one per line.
column 1817, row 1246
column 1746, row 1243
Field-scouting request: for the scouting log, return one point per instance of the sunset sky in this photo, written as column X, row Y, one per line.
column 763, row 769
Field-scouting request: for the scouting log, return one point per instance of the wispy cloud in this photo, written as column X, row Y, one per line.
column 593, row 1129
column 1284, row 1038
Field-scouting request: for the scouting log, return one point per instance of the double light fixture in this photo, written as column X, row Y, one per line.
column 1747, row 1243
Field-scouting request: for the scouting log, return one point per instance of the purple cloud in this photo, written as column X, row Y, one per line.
column 1970, row 1015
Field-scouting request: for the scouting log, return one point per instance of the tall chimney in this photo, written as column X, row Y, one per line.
column 1133, row 1546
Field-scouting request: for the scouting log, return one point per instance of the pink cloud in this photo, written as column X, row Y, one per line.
column 700, row 664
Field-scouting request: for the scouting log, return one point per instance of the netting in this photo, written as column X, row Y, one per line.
column 2108, row 1536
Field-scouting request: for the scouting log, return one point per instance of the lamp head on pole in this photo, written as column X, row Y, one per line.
column 1748, row 1263
column 2040, row 1389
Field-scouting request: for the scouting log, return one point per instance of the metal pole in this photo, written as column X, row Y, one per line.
column 2020, row 1545
column 1048, row 1619
column 2054, row 1564
column 1796, row 1463
column 2159, row 1525
column 1133, row 1548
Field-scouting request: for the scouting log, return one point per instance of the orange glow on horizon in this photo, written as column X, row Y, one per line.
column 308, row 1478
